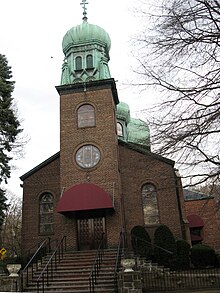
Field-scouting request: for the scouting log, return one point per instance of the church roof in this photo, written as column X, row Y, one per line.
column 41, row 165
column 144, row 151
column 137, row 131
column 123, row 112
column 195, row 195
column 86, row 48
column 86, row 33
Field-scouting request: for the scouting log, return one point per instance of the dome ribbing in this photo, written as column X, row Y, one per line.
column 86, row 33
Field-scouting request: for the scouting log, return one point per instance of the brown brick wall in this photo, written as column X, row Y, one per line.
column 103, row 136
column 121, row 173
column 207, row 210
column 137, row 169
column 46, row 179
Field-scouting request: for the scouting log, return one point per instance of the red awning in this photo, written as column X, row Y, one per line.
column 84, row 197
column 195, row 221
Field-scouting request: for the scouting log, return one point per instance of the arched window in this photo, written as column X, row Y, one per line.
column 46, row 213
column 89, row 61
column 119, row 129
column 150, row 206
column 86, row 116
column 78, row 62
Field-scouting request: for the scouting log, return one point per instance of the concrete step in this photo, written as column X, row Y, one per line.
column 73, row 285
column 72, row 274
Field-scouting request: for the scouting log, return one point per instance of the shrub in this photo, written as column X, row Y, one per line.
column 2, row 267
column 183, row 255
column 141, row 242
column 217, row 258
column 202, row 255
column 165, row 247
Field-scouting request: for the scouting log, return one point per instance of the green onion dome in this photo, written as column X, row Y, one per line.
column 123, row 112
column 86, row 33
column 138, row 132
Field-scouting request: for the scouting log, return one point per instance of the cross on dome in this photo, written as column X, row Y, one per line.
column 84, row 3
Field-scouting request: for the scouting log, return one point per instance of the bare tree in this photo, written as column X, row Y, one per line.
column 179, row 54
column 11, row 229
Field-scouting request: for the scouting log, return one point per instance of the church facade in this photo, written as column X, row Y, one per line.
column 105, row 179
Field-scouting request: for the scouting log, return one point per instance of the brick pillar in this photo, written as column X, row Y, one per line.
column 129, row 282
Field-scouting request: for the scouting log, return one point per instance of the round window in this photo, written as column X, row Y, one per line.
column 87, row 156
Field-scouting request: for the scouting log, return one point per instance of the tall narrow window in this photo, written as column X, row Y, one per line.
column 150, row 206
column 86, row 116
column 46, row 211
column 119, row 129
column 89, row 61
column 78, row 63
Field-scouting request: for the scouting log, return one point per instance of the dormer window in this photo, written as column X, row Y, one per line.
column 86, row 116
column 78, row 63
column 89, row 61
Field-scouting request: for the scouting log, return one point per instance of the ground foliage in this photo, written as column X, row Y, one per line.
column 183, row 255
column 165, row 249
column 141, row 242
column 202, row 256
column 178, row 52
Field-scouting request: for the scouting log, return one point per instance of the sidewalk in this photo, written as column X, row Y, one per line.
column 198, row 291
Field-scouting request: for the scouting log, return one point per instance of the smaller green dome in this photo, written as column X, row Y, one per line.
column 123, row 112
column 86, row 33
column 138, row 132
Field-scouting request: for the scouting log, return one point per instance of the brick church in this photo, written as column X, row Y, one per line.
column 105, row 179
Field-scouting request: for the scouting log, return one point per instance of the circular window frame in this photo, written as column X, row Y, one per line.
column 93, row 152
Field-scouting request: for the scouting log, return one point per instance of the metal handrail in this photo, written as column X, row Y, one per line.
column 97, row 264
column 43, row 248
column 35, row 247
column 120, row 251
column 51, row 265
column 152, row 244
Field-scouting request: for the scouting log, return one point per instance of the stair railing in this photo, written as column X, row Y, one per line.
column 33, row 264
column 120, row 252
column 152, row 244
column 51, row 265
column 96, row 265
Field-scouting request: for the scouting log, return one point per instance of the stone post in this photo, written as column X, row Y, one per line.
column 9, row 284
column 129, row 282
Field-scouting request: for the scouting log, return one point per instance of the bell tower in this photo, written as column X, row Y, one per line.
column 86, row 49
column 88, row 132
column 88, row 135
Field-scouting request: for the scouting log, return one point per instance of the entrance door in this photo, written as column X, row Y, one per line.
column 90, row 231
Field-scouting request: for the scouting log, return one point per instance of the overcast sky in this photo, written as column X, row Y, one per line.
column 31, row 35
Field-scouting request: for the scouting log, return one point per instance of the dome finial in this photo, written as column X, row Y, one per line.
column 84, row 9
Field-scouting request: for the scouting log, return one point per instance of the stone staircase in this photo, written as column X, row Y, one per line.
column 72, row 274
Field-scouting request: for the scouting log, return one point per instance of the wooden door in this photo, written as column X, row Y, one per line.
column 90, row 231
